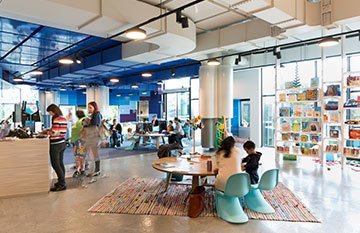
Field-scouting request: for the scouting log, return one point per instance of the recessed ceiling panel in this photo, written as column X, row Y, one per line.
column 220, row 21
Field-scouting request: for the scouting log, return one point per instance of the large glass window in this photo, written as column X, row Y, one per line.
column 171, row 105
column 195, row 97
column 268, row 129
column 245, row 113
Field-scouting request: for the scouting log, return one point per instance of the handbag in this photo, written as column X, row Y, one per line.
column 196, row 202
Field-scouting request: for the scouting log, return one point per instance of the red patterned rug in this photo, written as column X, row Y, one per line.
column 146, row 196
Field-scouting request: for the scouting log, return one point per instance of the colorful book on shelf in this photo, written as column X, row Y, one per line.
column 285, row 136
column 314, row 138
column 353, row 81
column 333, row 90
column 315, row 126
column 285, row 111
column 354, row 133
column 285, row 126
column 332, row 105
column 315, row 82
column 295, row 136
column 311, row 95
column 304, row 138
column 296, row 126
column 297, row 111
column 334, row 133
column 288, row 85
column 282, row 97
column 301, row 96
column 291, row 97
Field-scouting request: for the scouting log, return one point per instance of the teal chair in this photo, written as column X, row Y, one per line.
column 254, row 200
column 228, row 203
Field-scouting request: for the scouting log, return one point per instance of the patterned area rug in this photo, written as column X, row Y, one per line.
column 146, row 196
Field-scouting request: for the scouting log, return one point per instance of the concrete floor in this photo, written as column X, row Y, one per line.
column 334, row 197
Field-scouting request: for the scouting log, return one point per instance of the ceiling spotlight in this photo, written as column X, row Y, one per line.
column 146, row 74
column 66, row 61
column 144, row 92
column 172, row 72
column 185, row 22
column 313, row 1
column 47, row 91
column 118, row 95
column 36, row 72
column 83, row 85
column 178, row 16
column 328, row 42
column 114, row 80
column 130, row 93
column 62, row 88
column 238, row 60
column 277, row 53
column 135, row 33
column 18, row 79
column 159, row 82
column 213, row 62
column 134, row 86
column 78, row 59
column 84, row 92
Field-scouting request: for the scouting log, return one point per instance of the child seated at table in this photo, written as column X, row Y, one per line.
column 228, row 162
column 250, row 164
column 133, row 139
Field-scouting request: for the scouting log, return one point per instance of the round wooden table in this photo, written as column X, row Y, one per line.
column 196, row 167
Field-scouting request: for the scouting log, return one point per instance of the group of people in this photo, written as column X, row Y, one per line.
column 229, row 162
column 85, row 135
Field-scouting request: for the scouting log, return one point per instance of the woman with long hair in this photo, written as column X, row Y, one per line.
column 228, row 162
column 57, row 134
column 93, row 136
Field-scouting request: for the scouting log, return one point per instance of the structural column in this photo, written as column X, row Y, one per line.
column 101, row 96
column 45, row 99
column 216, row 99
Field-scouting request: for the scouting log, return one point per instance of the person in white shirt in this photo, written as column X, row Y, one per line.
column 228, row 162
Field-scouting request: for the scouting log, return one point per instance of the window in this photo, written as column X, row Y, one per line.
column 245, row 113
column 195, row 97
column 171, row 105
column 268, row 129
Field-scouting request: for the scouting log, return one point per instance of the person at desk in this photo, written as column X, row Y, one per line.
column 170, row 127
column 177, row 134
column 116, row 132
column 154, row 121
column 228, row 162
column 57, row 134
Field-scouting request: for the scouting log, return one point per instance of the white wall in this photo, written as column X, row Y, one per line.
column 247, row 85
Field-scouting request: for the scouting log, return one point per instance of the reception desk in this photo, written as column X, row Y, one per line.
column 24, row 166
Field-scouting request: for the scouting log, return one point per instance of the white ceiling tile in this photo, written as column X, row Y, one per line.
column 220, row 20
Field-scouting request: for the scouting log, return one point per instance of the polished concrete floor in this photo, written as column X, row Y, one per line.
column 332, row 195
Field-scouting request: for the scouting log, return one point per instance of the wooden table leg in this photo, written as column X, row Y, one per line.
column 195, row 182
column 168, row 178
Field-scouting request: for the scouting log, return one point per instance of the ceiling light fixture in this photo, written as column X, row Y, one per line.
column 83, row 85
column 62, row 88
column 18, row 79
column 184, row 21
column 114, row 80
column 328, row 42
column 213, row 62
column 134, row 86
column 36, row 72
column 144, row 92
column 277, row 53
column 238, row 60
column 135, row 33
column 78, row 59
column 313, row 1
column 118, row 95
column 146, row 74
column 84, row 92
column 159, row 82
column 172, row 72
column 130, row 93
column 66, row 61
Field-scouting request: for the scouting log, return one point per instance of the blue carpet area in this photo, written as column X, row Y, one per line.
column 109, row 153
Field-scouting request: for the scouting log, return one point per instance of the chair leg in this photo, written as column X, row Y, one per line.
column 230, row 209
column 254, row 200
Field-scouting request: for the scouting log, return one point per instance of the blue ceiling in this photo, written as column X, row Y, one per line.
column 26, row 46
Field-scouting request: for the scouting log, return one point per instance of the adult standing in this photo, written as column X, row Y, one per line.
column 178, row 132
column 57, row 134
column 154, row 122
column 116, row 132
column 93, row 136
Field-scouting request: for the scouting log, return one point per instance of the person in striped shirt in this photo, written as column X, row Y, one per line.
column 57, row 135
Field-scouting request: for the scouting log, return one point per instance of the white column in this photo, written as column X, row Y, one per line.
column 207, row 87
column 101, row 96
column 45, row 99
column 225, row 96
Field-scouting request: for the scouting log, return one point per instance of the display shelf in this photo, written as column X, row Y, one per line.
column 354, row 140
column 300, row 101
column 298, row 154
column 351, row 108
column 332, row 152
column 352, row 157
column 331, row 82
column 280, row 131
column 283, row 141
column 338, row 110
column 333, row 123
column 333, row 139
column 298, row 89
column 351, row 87
column 331, row 97
column 351, row 73
column 290, row 117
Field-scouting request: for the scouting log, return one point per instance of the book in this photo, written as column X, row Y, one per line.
column 333, row 90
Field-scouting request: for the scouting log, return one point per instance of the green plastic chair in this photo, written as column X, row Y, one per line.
column 254, row 200
column 228, row 203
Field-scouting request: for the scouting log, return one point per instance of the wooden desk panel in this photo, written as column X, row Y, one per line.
column 24, row 167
